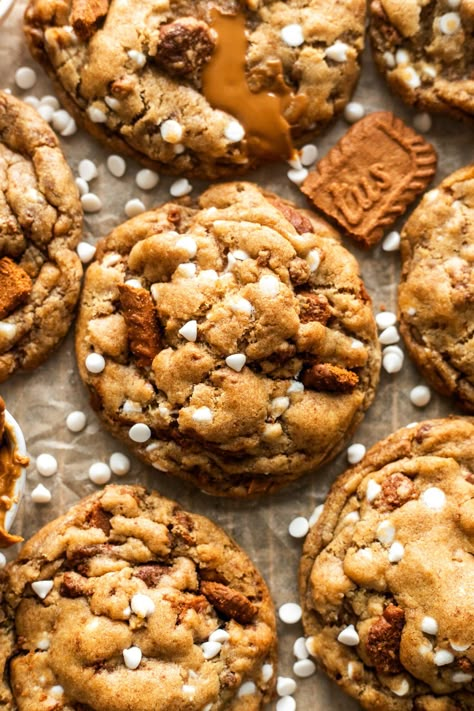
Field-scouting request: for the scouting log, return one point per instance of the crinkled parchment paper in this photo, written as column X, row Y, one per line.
column 42, row 400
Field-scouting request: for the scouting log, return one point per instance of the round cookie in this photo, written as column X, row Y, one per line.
column 199, row 88
column 387, row 573
column 40, row 225
column 231, row 343
column 436, row 293
column 424, row 50
column 129, row 602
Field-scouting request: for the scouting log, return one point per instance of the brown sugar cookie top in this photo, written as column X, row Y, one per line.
column 436, row 292
column 199, row 88
column 128, row 601
column 40, row 226
column 387, row 573
column 424, row 50
column 231, row 342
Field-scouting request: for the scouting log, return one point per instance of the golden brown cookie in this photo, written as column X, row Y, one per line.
column 40, row 226
column 424, row 50
column 387, row 573
column 130, row 602
column 371, row 176
column 198, row 88
column 231, row 343
column 436, row 293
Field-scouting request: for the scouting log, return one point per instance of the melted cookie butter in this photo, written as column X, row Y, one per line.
column 225, row 87
column 11, row 463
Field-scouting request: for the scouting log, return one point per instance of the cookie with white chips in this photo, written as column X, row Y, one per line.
column 387, row 573
column 128, row 601
column 40, row 226
column 424, row 50
column 230, row 342
column 198, row 88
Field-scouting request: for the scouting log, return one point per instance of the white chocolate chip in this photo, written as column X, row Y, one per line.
column 353, row 112
column 285, row 686
column 247, row 688
column 355, row 453
column 147, row 179
column 133, row 283
column 85, row 252
column 300, row 650
column 95, row 363
column 43, row 643
column 389, row 335
column 91, row 202
column 240, row 255
column 297, row 175
column 139, row 432
column 278, row 406
column 60, row 120
column 420, row 395
column 87, row 170
column 402, row 689
column 99, row 473
column 46, row 112
column 188, row 244
column 267, row 672
column 138, row 58
column 422, row 122
column 31, row 101
column 134, row 207
column 181, row 187
column 309, row 154
column 119, row 464
column 352, row 517
column 314, row 260
column 57, row 691
column 373, row 490
column 290, row 613
column 304, row 668
column 132, row 657
column 82, row 186
column 396, row 552
column 50, row 100
column 461, row 677
column 402, row 57
column 272, row 431
column 295, row 387
column 384, row 319
column 269, row 285
column 241, row 306
column 392, row 362
column 411, row 77
column 96, row 115
column 112, row 103
column 116, row 166
column 443, row 657
column 316, row 515
column 391, row 242
column 389, row 59
column 41, row 495
column 449, row 24
column 234, row 132
column 236, row 361
column 211, row 649
column 429, row 625
column 292, row 35
column 3, row 560
column 459, row 647
column 25, row 78
column 171, row 131
column 385, row 532
column 434, row 498
column 76, row 421
column 219, row 635
column 189, row 331
column 8, row 330
column 42, row 588
column 337, row 51
column 299, row 527
column 188, row 689
column 349, row 636
column 46, row 464
column 142, row 605
column 70, row 130
column 203, row 415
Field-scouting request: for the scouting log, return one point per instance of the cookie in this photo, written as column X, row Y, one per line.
column 40, row 226
column 231, row 342
column 423, row 49
column 387, row 573
column 436, row 292
column 370, row 177
column 13, row 463
column 199, row 88
column 130, row 602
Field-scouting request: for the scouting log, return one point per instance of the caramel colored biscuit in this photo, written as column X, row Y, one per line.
column 371, row 176
column 15, row 286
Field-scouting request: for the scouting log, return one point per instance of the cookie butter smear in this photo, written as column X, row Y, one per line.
column 225, row 87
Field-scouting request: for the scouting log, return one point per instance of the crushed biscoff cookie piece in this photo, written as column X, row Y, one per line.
column 231, row 342
column 387, row 573
column 128, row 601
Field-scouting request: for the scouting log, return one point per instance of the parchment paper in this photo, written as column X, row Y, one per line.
column 41, row 401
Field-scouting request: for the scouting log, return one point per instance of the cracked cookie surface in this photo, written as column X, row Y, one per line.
column 231, row 343
column 198, row 88
column 436, row 292
column 40, row 226
column 387, row 573
column 128, row 601
column 425, row 50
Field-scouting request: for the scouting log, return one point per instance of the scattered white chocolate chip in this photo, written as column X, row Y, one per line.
column 203, row 415
column 429, row 625
column 132, row 657
column 292, row 35
column 116, row 166
column 420, row 395
column 396, row 552
column 299, row 527
column 3, row 560
column 384, row 319
column 297, row 175
column 234, row 131
column 180, row 187
column 285, row 686
column 60, row 120
column 290, row 613
column 134, row 207
column 422, row 122
column 278, row 406
column 316, row 515
column 41, row 495
column 392, row 362
column 349, row 636
column 95, row 363
column 219, row 635
column 46, row 464
column 269, row 285
column 385, row 532
column 87, row 170
column 355, row 453
column 147, row 179
column 389, row 335
column 313, row 259
column 142, row 605
column 99, row 473
column 138, row 58
column 247, row 688
column 354, row 111
column 139, row 432
column 25, row 78
column 91, row 203
column 304, row 668
column 82, row 186
column 119, row 464
column 76, row 421
column 449, row 24
column 31, row 101
column 337, row 51
column 434, row 498
column 42, row 588
column 96, row 115
column 85, row 252
column 389, row 59
column 171, row 131
column 373, row 490
column 308, row 154
column 267, row 672
column 189, row 331
column 70, row 130
column 210, row 649
column 236, row 361
column 459, row 647
column 46, row 112
column 391, row 243
column 443, row 657
column 188, row 244
column 300, row 650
